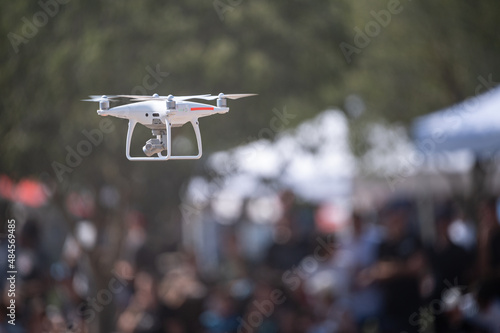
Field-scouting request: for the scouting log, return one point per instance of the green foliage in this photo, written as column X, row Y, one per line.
column 428, row 57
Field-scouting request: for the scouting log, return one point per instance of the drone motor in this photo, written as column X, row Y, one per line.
column 221, row 101
column 170, row 103
column 104, row 103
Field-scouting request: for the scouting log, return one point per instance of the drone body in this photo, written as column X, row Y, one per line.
column 160, row 114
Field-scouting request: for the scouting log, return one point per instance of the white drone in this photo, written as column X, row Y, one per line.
column 160, row 113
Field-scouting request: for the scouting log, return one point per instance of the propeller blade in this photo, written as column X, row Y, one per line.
column 137, row 96
column 229, row 96
column 162, row 98
column 183, row 98
column 236, row 96
column 98, row 98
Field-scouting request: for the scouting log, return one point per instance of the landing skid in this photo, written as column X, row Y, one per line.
column 168, row 138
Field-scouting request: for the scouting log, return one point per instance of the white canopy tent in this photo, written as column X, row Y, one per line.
column 472, row 125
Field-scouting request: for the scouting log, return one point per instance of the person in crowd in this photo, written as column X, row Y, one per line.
column 450, row 266
column 220, row 315
column 357, row 253
column 487, row 291
column 398, row 270
column 489, row 238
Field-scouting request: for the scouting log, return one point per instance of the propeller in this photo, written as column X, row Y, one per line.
column 98, row 98
column 228, row 96
column 162, row 98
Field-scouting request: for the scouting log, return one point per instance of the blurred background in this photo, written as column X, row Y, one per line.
column 356, row 193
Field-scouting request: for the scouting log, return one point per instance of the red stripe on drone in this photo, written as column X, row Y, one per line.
column 201, row 109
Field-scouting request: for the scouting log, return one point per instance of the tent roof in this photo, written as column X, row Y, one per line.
column 473, row 124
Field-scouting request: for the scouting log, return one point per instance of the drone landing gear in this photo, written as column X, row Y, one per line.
column 162, row 142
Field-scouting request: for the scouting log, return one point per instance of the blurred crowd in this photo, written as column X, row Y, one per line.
column 376, row 274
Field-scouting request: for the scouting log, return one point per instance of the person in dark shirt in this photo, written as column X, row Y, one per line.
column 489, row 239
column 450, row 265
column 398, row 270
column 488, row 286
